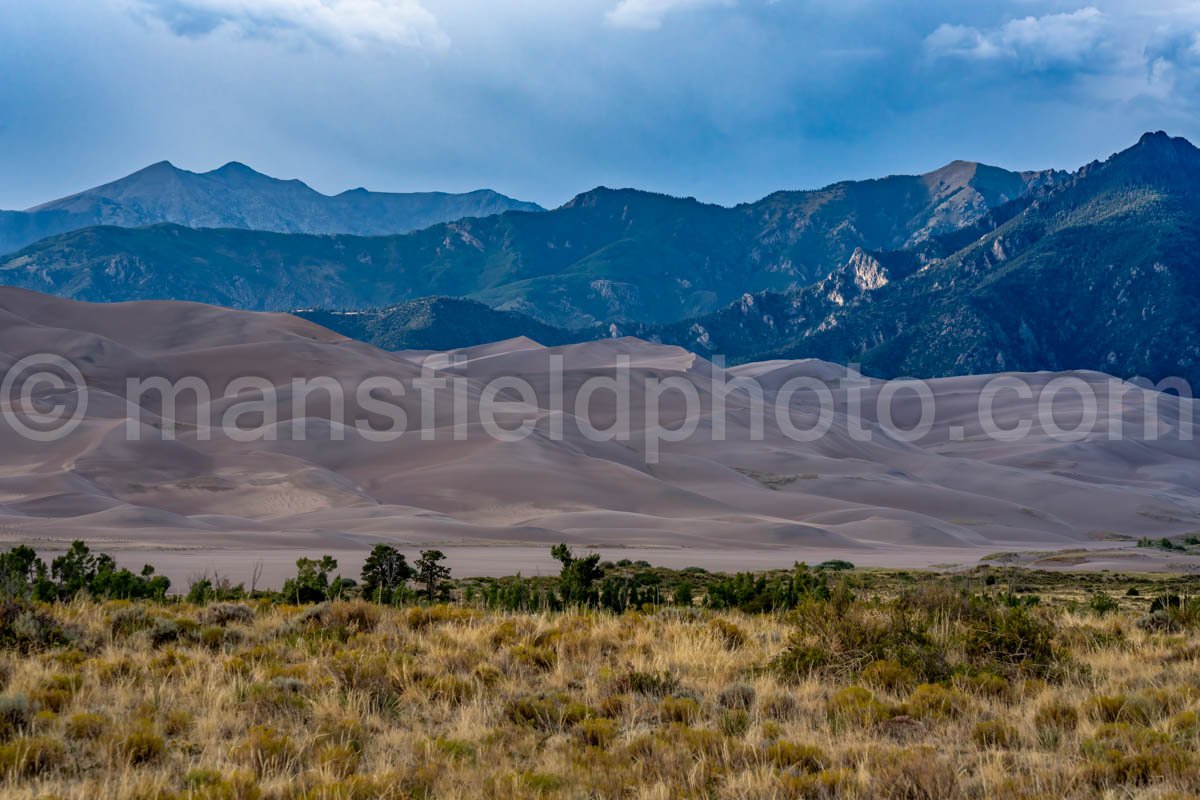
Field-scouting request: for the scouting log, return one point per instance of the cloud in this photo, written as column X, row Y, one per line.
column 1050, row 42
column 1173, row 65
column 648, row 14
column 336, row 23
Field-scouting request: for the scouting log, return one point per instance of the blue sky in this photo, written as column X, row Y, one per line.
column 724, row 100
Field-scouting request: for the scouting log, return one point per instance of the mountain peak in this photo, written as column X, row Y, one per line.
column 1158, row 156
column 1162, row 141
column 157, row 167
column 238, row 169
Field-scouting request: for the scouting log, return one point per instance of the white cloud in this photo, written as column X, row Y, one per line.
column 648, row 14
column 1173, row 64
column 338, row 23
column 1049, row 42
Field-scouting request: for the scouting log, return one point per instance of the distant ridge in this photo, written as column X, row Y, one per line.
column 441, row 323
column 608, row 255
column 236, row 196
column 1102, row 273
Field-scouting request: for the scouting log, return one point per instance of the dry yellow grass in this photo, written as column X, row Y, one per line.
column 350, row 700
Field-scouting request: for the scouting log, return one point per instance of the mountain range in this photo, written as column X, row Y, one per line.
column 1102, row 273
column 235, row 196
column 968, row 269
column 607, row 255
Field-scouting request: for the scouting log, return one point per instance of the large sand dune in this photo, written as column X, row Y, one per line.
column 193, row 505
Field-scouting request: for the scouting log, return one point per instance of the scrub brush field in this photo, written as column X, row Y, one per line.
column 816, row 683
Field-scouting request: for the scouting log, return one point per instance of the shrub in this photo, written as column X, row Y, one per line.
column 126, row 619
column 1120, row 753
column 1102, row 605
column 547, row 711
column 1057, row 716
column 855, row 705
column 355, row 616
column 1013, row 641
column 778, row 706
column 931, row 701
column 888, row 676
column 455, row 749
column 340, row 760
column 987, row 685
column 653, row 684
column 789, row 755
column 26, row 629
column 539, row 658
column 737, row 696
column 730, row 634
column 210, row 784
column 16, row 713
column 31, row 756
column 734, row 723
column 597, row 732
column 679, row 709
column 266, row 750
column 56, row 692
column 141, row 745
column 227, row 613
column 995, row 733
column 914, row 774
column 84, row 726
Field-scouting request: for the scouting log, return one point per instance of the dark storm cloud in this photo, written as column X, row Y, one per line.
column 720, row 99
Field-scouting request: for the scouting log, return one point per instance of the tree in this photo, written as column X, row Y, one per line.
column 578, row 577
column 22, row 573
column 75, row 569
column 311, row 584
column 432, row 574
column 385, row 571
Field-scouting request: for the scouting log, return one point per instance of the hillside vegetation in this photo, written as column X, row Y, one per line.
column 843, row 683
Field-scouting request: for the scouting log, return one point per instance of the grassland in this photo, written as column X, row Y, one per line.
column 1000, row 684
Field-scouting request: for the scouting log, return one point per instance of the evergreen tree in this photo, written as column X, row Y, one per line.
column 385, row 572
column 577, row 579
column 432, row 574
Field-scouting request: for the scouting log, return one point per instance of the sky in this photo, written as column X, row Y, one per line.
column 723, row 100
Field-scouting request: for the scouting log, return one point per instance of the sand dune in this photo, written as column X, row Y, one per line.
column 740, row 501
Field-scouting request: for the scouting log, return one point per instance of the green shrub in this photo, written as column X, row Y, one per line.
column 141, row 745
column 547, row 711
column 995, row 733
column 855, row 705
column 730, row 634
column 266, row 750
column 888, row 676
column 932, row 701
column 734, row 723
column 793, row 755
column 539, row 658
column 16, row 712
column 679, row 709
column 652, row 684
column 1057, row 716
column 597, row 732
column 31, row 756
column 85, row 726
column 1123, row 754
column 1102, row 605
